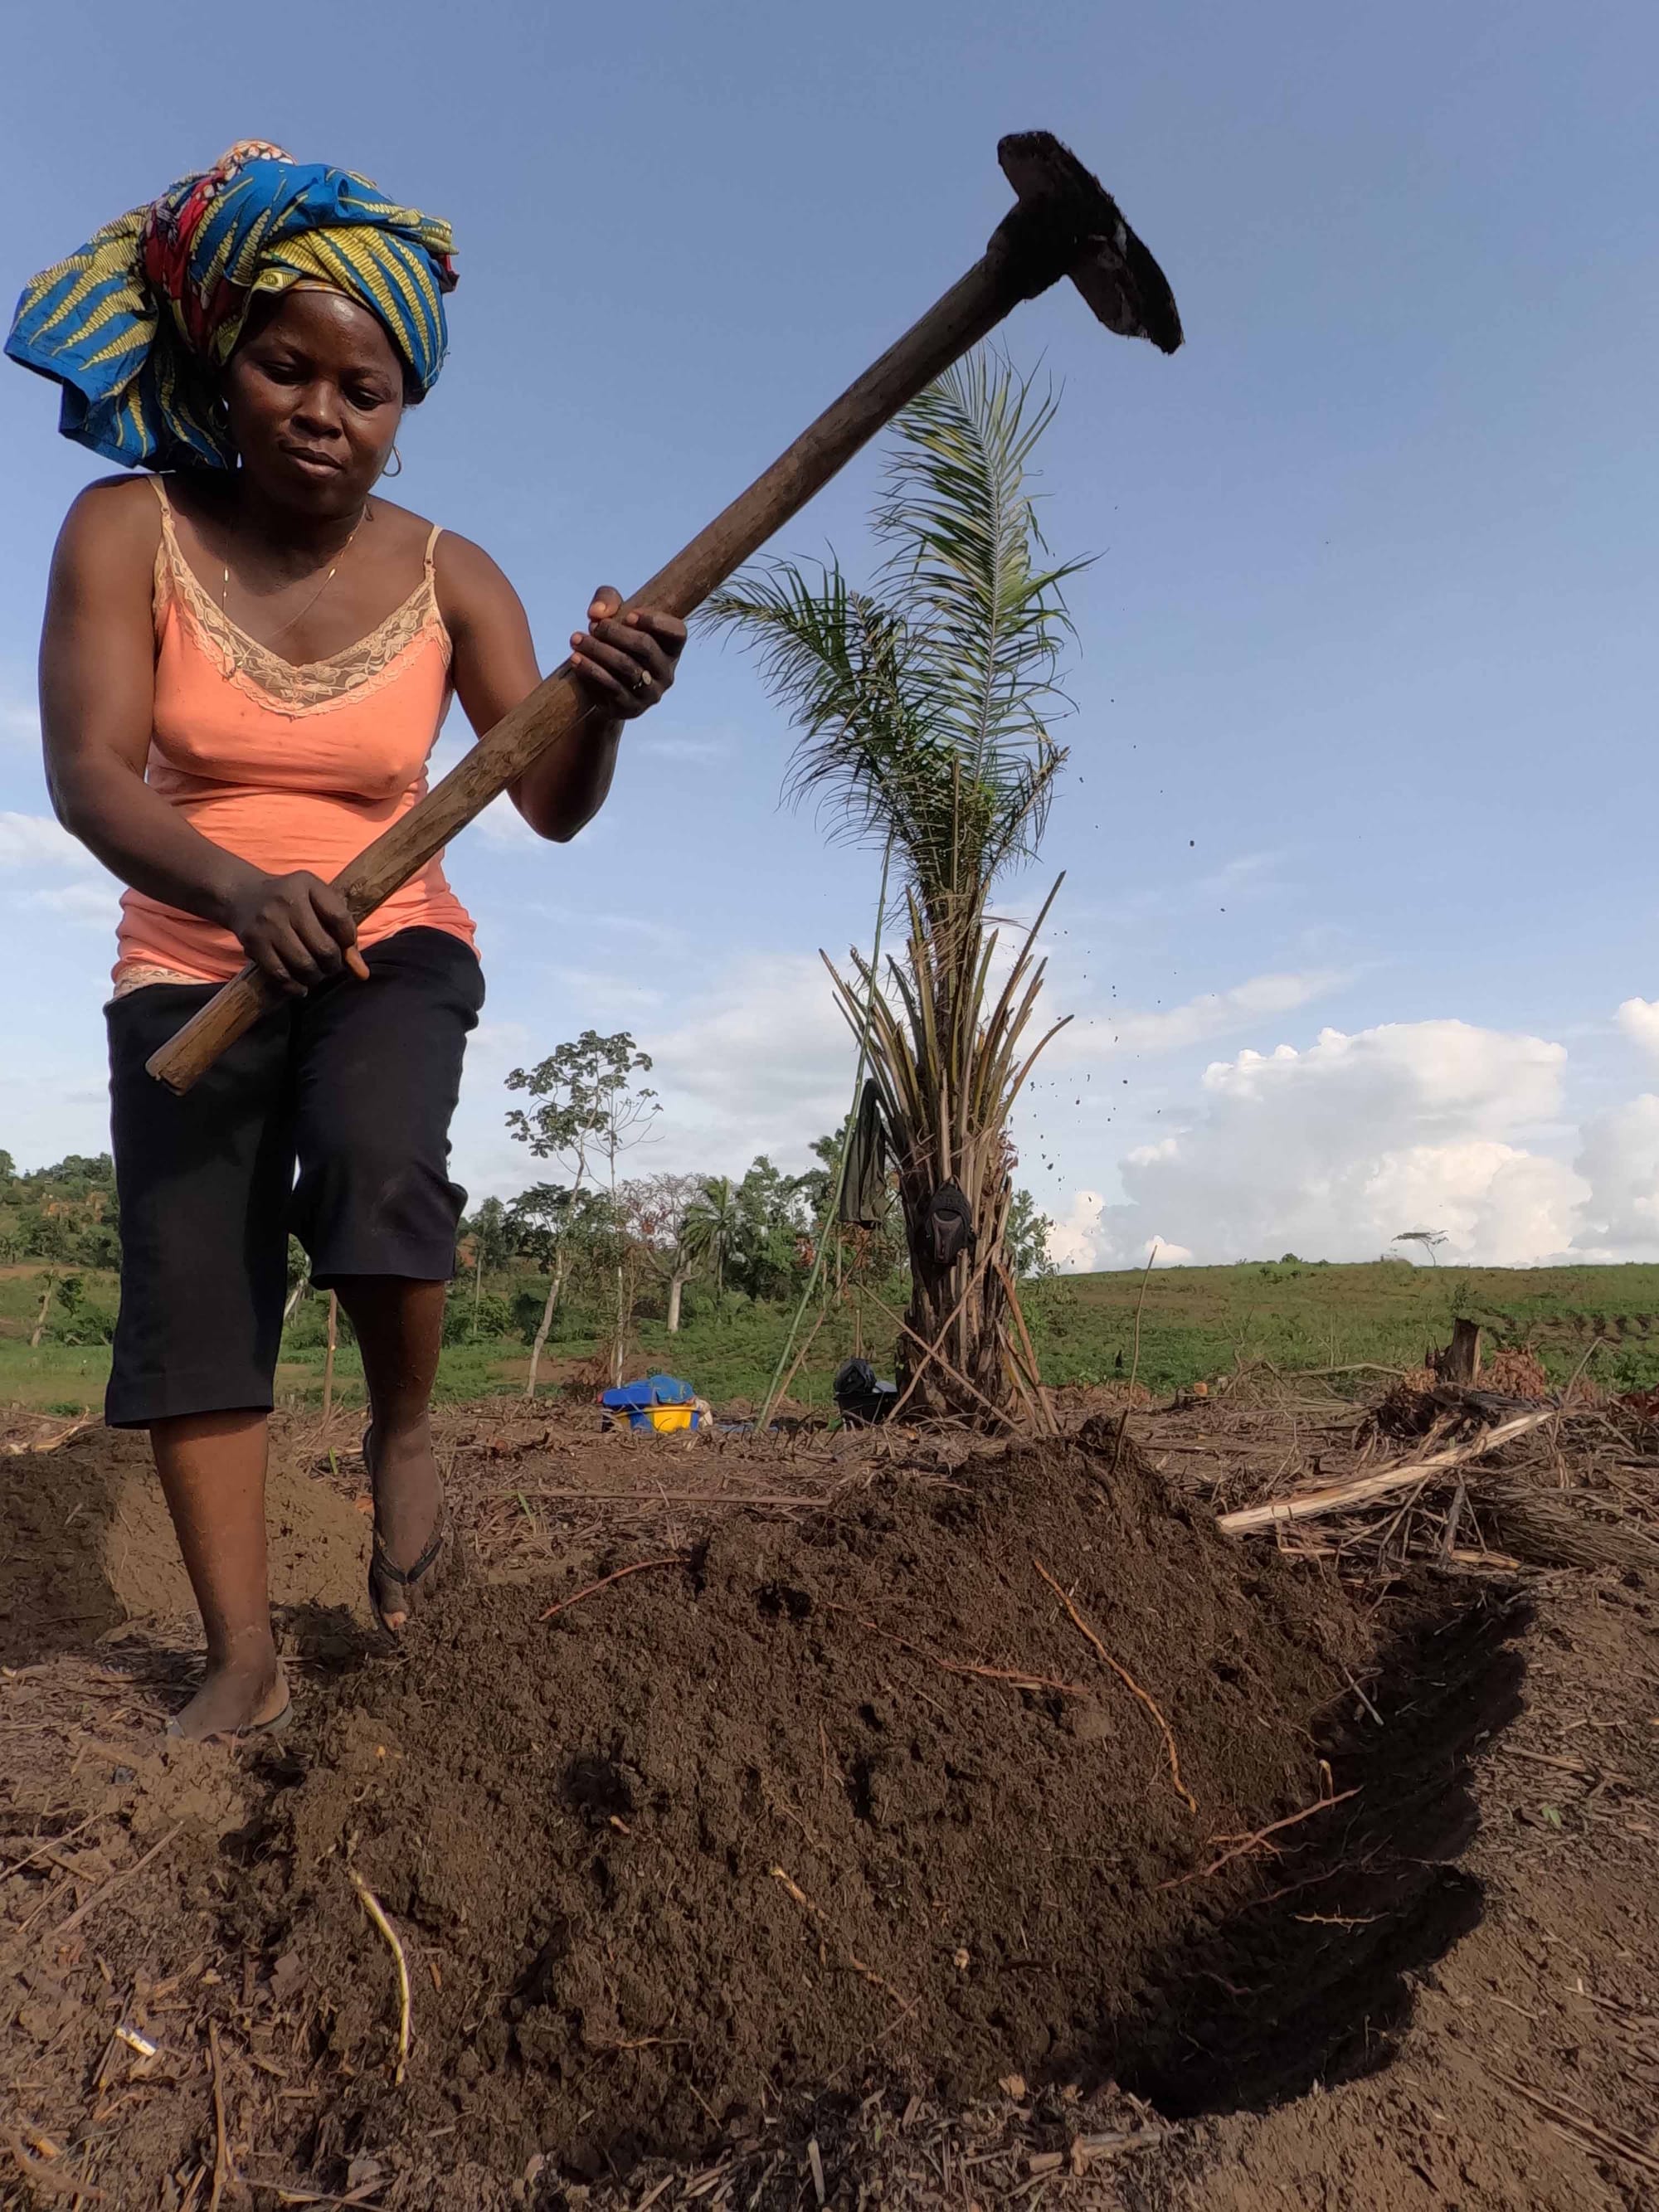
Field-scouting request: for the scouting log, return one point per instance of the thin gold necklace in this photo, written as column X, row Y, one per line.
column 224, row 588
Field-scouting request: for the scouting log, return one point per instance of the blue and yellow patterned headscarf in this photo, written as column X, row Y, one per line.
column 137, row 325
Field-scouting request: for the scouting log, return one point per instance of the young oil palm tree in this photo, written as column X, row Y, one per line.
column 713, row 1222
column 922, row 702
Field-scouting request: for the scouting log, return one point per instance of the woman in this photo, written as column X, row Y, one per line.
column 246, row 658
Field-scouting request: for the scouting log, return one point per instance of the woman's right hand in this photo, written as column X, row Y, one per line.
column 296, row 929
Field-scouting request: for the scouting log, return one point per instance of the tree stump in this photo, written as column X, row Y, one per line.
column 1460, row 1360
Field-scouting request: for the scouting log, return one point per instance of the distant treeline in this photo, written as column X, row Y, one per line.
column 66, row 1213
column 750, row 1238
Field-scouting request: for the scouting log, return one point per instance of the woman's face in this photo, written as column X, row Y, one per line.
column 315, row 394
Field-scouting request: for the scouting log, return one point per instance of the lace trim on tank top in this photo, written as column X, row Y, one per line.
column 287, row 686
column 144, row 972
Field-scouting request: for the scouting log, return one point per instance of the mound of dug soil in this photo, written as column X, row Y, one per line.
column 857, row 1797
column 86, row 1543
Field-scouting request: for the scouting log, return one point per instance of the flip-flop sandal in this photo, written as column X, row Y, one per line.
column 383, row 1569
column 278, row 1724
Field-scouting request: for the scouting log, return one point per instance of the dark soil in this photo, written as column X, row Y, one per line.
column 726, row 1834
column 86, row 1547
column 731, row 1853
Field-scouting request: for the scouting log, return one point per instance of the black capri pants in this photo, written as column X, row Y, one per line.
column 355, row 1085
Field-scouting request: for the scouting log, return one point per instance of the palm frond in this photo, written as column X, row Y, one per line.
column 835, row 660
column 920, row 703
column 987, row 616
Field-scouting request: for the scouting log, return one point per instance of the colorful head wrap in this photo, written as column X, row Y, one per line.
column 137, row 324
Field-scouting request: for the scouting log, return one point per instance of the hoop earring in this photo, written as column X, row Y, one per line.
column 388, row 470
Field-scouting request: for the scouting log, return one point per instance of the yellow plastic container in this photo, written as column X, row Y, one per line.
column 666, row 1418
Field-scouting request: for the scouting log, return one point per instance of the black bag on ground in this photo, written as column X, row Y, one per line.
column 860, row 1397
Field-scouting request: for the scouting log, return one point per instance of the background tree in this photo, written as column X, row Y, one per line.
column 923, row 701
column 711, row 1229
column 492, row 1246
column 773, row 1248
column 1026, row 1237
column 588, row 1113
column 1428, row 1238
column 658, row 1212
column 564, row 1233
column 538, row 1223
column 299, row 1278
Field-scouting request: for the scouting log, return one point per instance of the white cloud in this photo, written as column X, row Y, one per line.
column 1619, row 1158
column 88, row 906
column 1640, row 1020
column 1333, row 1150
column 1212, row 1014
column 1073, row 1237
column 59, row 1104
column 1246, row 873
column 760, row 1062
column 36, row 840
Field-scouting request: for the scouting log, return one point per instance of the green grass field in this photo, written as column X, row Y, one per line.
column 1198, row 1323
column 1202, row 1321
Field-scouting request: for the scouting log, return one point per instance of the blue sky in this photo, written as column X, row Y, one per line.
column 1358, row 918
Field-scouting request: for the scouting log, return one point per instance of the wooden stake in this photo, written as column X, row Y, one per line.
column 328, row 1363
column 1460, row 1362
column 46, row 1307
column 1134, row 1366
column 1335, row 1497
column 1033, row 1368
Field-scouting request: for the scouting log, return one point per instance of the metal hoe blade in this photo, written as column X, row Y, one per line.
column 1115, row 272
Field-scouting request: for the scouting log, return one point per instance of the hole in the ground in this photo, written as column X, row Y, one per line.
column 1312, row 1980
column 780, row 1600
column 599, row 1787
column 861, row 1788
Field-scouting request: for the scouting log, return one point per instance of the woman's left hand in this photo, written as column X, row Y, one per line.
column 628, row 659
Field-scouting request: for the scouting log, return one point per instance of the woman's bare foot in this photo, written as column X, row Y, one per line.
column 241, row 1692
column 408, row 1507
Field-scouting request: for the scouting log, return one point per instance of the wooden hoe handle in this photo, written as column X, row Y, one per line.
column 1064, row 222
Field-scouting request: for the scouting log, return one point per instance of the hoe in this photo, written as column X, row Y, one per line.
column 1064, row 223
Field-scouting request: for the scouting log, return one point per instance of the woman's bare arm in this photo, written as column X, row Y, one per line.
column 97, row 704
column 627, row 663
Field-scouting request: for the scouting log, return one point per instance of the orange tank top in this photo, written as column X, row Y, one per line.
column 289, row 765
